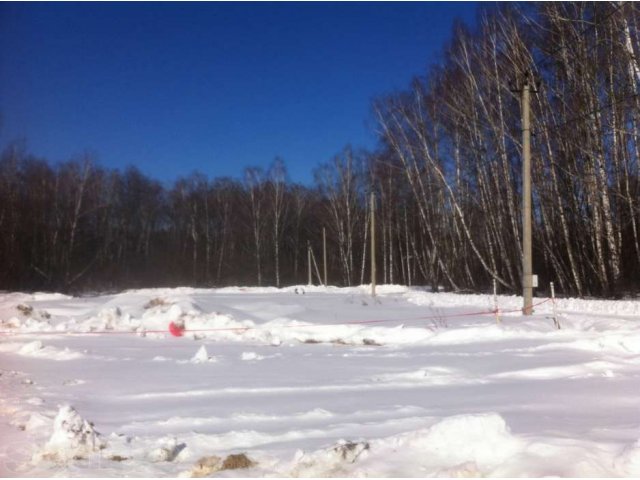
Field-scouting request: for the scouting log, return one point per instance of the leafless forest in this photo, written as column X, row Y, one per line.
column 446, row 175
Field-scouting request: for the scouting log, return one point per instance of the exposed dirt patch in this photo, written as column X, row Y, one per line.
column 207, row 466
column 25, row 310
column 237, row 461
column 155, row 302
column 118, row 458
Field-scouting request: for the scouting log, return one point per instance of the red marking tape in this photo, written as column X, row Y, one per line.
column 179, row 330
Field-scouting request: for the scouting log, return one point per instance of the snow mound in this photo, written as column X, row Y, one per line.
column 38, row 350
column 15, row 305
column 613, row 343
column 36, row 422
column 17, row 313
column 44, row 296
column 430, row 375
column 463, row 445
column 11, row 323
column 248, row 356
column 335, row 461
column 73, row 437
column 629, row 460
column 483, row 439
column 30, row 421
column 31, row 348
column 159, row 317
column 110, row 318
column 168, row 450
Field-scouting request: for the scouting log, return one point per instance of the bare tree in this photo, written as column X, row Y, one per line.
column 254, row 181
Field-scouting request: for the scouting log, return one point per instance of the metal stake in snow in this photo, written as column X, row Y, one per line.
column 324, row 253
column 315, row 264
column 309, row 261
column 556, row 322
column 495, row 301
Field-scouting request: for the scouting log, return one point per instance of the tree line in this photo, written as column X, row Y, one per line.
column 446, row 175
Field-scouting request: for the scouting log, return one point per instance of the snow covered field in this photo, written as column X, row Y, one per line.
column 328, row 382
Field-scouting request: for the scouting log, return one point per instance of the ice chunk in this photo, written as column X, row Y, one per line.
column 202, row 356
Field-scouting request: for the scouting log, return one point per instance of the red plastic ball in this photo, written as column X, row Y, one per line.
column 176, row 330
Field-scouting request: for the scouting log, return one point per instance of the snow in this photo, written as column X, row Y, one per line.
column 315, row 381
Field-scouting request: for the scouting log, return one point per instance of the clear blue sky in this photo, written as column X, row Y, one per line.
column 214, row 87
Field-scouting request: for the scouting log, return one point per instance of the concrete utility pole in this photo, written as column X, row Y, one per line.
column 324, row 253
column 373, row 244
column 527, row 270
